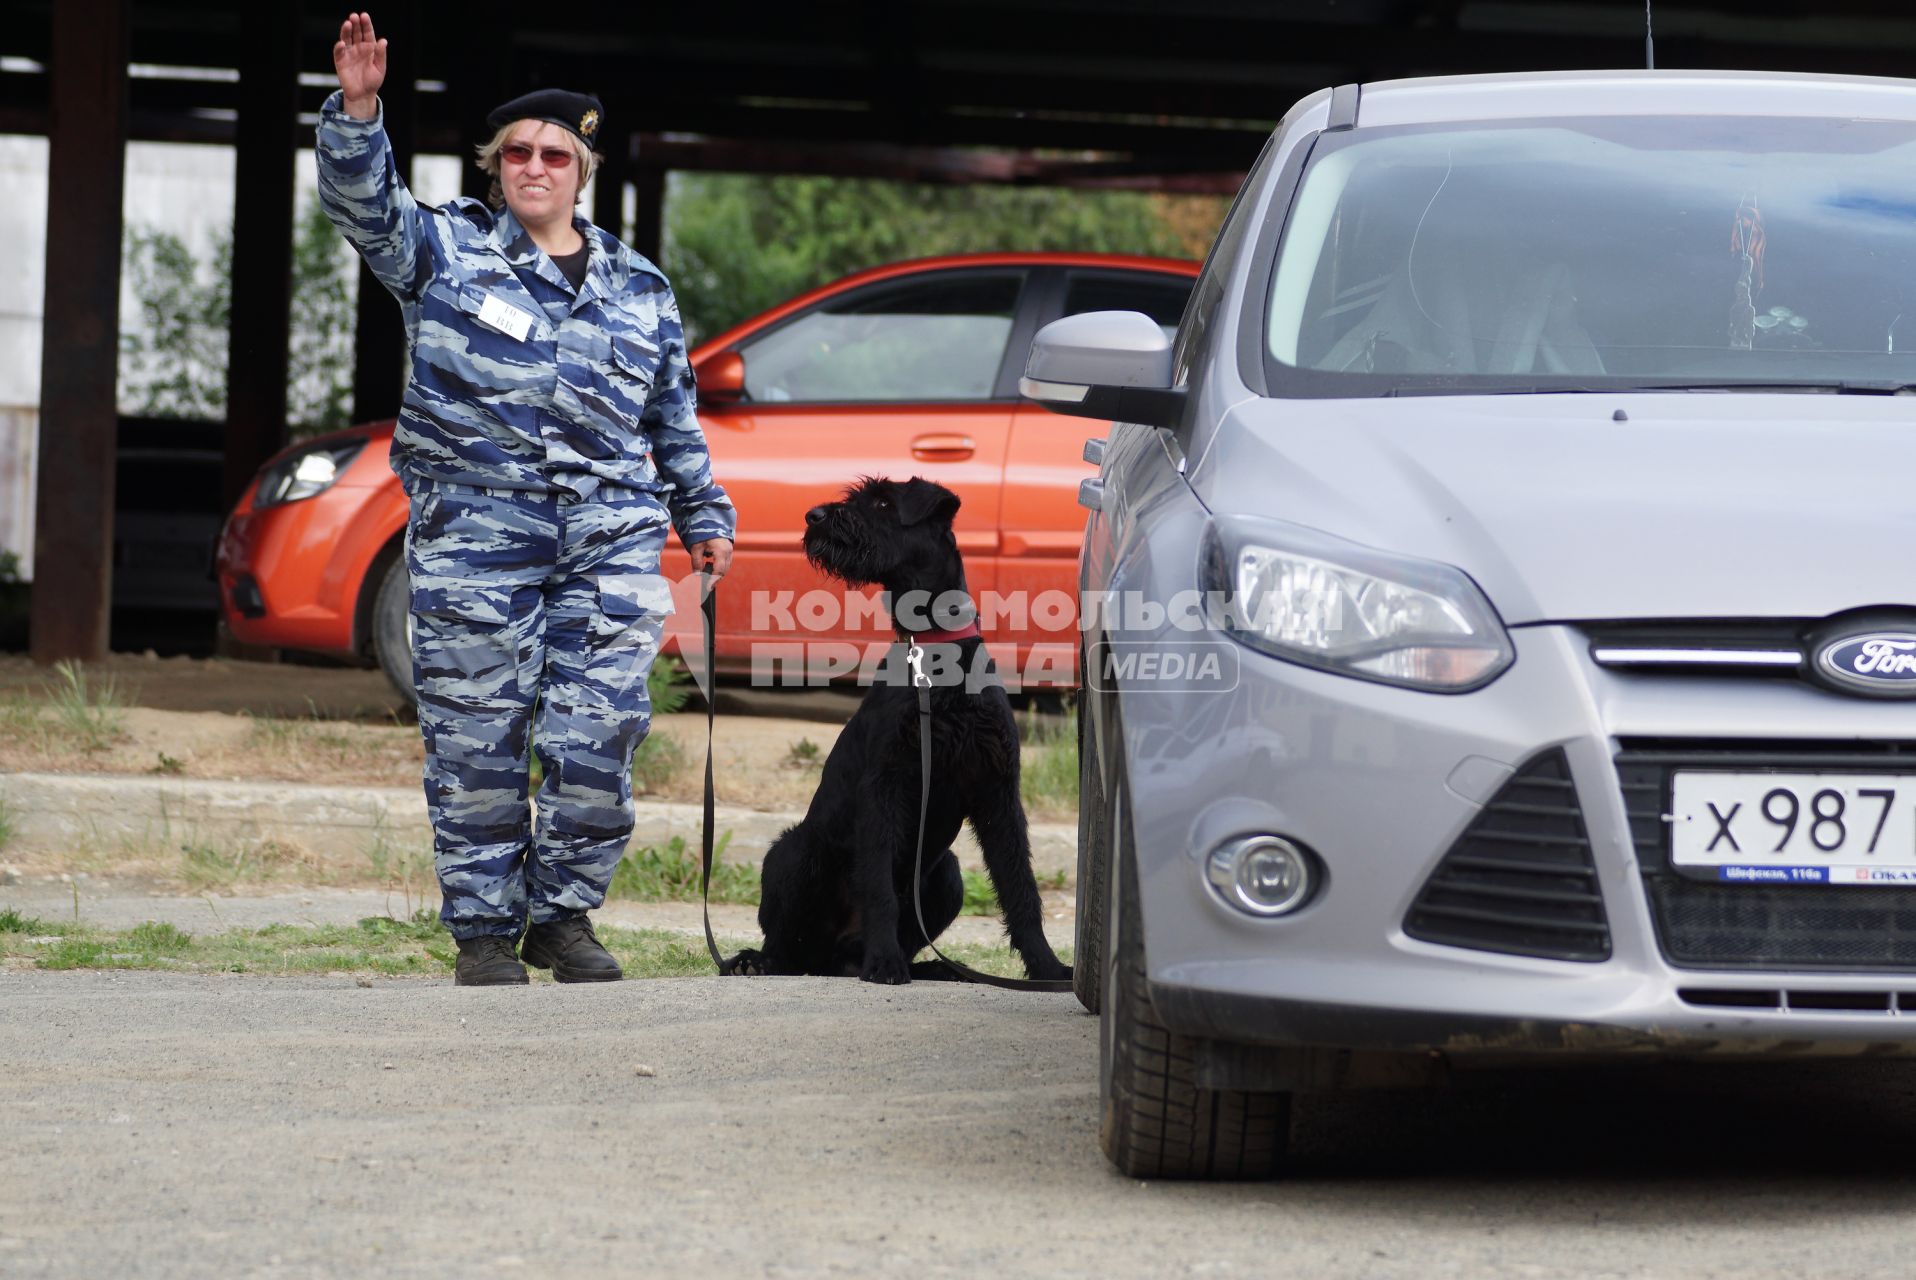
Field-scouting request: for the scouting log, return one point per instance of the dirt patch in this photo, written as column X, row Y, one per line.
column 224, row 719
column 224, row 685
column 761, row 762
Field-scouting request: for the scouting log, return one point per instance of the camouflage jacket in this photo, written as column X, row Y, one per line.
column 598, row 390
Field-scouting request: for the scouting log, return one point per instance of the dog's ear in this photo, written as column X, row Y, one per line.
column 920, row 500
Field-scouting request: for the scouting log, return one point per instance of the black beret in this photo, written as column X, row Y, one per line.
column 581, row 113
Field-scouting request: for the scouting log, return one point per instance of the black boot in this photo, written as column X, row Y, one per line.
column 571, row 950
column 487, row 961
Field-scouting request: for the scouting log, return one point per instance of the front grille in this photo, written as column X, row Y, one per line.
column 1520, row 879
column 1739, row 647
column 1705, row 924
column 1888, row 1002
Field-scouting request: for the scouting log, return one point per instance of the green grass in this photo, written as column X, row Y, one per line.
column 11, row 921
column 407, row 871
column 219, row 866
column 993, row 958
column 160, row 938
column 415, row 947
column 22, row 720
column 69, row 714
column 982, row 900
column 375, row 944
column 671, row 874
column 1048, row 775
column 91, row 715
column 669, row 685
column 298, row 734
column 418, row 946
column 8, row 828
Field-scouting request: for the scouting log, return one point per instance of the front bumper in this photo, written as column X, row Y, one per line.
column 1381, row 782
column 294, row 576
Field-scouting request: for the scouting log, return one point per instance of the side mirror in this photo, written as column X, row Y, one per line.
column 1104, row 364
column 722, row 379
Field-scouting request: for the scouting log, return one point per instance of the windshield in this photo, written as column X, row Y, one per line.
column 1634, row 251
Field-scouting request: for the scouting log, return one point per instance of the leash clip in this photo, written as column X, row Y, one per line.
column 915, row 659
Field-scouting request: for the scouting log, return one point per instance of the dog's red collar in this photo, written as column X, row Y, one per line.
column 967, row 632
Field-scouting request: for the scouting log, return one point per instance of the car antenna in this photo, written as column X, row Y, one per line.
column 1649, row 40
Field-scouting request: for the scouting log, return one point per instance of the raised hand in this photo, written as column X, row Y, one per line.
column 359, row 59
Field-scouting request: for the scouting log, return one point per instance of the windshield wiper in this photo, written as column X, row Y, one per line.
column 1493, row 391
column 1847, row 388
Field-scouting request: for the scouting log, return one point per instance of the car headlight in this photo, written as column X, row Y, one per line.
column 1316, row 600
column 303, row 474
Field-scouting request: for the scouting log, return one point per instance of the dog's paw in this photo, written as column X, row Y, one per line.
column 1048, row 969
column 746, row 964
column 885, row 967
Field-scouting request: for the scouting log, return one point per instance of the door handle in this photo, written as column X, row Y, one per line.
column 943, row 448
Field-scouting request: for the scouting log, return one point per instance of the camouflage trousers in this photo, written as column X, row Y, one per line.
column 536, row 617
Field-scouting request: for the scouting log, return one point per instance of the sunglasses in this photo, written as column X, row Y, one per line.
column 551, row 157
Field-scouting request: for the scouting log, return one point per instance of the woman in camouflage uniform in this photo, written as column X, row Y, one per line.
column 548, row 442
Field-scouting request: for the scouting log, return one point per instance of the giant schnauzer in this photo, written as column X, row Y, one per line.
column 836, row 889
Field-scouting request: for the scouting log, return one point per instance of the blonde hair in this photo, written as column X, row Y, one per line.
column 589, row 161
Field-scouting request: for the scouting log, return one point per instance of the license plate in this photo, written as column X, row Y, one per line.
column 1795, row 828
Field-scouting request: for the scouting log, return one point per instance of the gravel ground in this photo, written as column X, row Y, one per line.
column 166, row 1125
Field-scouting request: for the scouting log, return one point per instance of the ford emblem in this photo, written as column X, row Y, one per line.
column 1879, row 662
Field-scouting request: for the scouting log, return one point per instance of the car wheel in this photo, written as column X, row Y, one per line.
column 1157, row 1122
column 1094, row 856
column 392, row 628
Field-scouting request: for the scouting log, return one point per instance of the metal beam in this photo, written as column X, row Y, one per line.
column 257, row 360
column 947, row 166
column 79, row 364
column 455, row 121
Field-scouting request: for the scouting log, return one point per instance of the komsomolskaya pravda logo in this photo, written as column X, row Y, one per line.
column 1878, row 662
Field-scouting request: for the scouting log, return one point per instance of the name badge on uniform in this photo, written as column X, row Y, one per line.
column 505, row 317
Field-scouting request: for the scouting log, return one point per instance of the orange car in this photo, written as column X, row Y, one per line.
column 909, row 369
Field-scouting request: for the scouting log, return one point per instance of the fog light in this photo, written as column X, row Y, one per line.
column 247, row 599
column 1261, row 875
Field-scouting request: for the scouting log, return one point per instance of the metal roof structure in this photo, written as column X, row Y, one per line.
column 1156, row 94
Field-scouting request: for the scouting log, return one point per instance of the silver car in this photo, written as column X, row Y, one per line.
column 1501, row 614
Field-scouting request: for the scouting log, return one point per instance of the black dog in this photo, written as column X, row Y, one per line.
column 836, row 892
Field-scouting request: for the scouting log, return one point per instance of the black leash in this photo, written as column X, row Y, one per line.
column 915, row 657
column 708, row 608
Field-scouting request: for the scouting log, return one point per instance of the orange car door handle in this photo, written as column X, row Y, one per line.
column 943, row 448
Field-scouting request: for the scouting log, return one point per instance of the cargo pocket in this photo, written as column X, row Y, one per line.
column 636, row 360
column 465, row 645
column 628, row 629
column 627, row 598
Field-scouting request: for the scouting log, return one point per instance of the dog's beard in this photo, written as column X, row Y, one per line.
column 843, row 549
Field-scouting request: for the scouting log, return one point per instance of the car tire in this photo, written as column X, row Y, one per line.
column 1157, row 1122
column 392, row 629
column 1094, row 857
